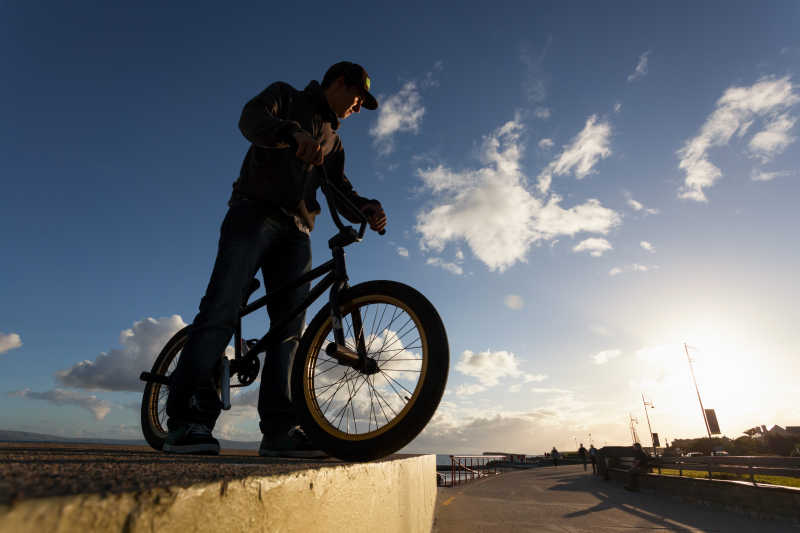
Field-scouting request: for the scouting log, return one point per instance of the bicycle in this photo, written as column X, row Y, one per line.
column 390, row 387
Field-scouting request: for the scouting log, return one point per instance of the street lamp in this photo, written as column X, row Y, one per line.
column 651, row 406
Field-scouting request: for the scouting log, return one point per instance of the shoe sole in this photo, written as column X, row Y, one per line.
column 198, row 449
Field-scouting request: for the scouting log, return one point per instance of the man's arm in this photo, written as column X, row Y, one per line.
column 334, row 167
column 263, row 121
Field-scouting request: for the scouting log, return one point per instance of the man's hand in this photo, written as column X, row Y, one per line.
column 308, row 149
column 375, row 215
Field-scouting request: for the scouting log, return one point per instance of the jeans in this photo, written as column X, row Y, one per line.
column 250, row 238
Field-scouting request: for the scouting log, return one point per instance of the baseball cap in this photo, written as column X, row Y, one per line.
column 354, row 74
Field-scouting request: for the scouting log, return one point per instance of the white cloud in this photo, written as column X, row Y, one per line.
column 400, row 112
column 459, row 255
column 599, row 329
column 119, row 369
column 99, row 408
column 513, row 301
column 595, row 246
column 637, row 206
column 635, row 267
column 641, row 68
column 402, row 251
column 546, row 144
column 534, row 378
column 9, row 341
column 647, row 246
column 560, row 414
column 735, row 111
column 550, row 390
column 601, row 358
column 580, row 157
column 617, row 107
column 759, row 175
column 542, row 113
column 453, row 268
column 469, row 390
column 492, row 211
column 534, row 84
column 488, row 367
column 773, row 139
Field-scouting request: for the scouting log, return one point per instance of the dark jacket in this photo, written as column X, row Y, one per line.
column 271, row 175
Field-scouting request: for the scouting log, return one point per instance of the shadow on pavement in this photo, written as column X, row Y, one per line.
column 659, row 509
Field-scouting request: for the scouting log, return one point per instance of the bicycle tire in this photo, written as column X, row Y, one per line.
column 153, row 409
column 309, row 383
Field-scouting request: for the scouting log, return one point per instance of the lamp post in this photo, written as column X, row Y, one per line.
column 633, row 421
column 649, row 427
column 703, row 411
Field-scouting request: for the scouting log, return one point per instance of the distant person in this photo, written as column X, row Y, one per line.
column 593, row 458
column 640, row 461
column 554, row 455
column 292, row 135
column 583, row 453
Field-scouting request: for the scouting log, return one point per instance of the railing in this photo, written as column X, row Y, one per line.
column 755, row 469
column 464, row 468
column 740, row 466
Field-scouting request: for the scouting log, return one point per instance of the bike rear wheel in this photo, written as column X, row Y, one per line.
column 154, row 399
column 359, row 416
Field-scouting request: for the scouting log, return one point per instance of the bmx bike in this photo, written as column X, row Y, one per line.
column 370, row 368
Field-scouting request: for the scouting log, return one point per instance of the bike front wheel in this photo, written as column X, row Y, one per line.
column 360, row 416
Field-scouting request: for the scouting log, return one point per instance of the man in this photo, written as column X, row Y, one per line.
column 582, row 452
column 271, row 213
column 593, row 458
column 640, row 461
column 554, row 455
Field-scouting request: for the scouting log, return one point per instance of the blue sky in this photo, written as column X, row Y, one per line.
column 578, row 187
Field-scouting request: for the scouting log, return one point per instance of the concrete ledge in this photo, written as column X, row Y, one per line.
column 397, row 495
column 762, row 501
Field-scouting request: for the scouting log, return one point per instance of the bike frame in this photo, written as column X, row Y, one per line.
column 335, row 272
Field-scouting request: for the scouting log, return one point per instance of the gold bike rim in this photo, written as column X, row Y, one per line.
column 315, row 348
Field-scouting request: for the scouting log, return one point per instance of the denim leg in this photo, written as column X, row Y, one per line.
column 284, row 263
column 243, row 238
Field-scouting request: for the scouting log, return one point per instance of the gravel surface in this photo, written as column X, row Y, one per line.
column 34, row 470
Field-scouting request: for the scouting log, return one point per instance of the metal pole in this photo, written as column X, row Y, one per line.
column 649, row 428
column 703, row 411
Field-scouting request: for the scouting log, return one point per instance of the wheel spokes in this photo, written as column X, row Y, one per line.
column 355, row 403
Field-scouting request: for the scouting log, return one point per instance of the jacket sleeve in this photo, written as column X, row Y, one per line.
column 334, row 166
column 263, row 121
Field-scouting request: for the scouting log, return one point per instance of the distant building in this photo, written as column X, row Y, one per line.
column 761, row 431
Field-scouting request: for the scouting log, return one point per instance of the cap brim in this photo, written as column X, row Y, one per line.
column 369, row 101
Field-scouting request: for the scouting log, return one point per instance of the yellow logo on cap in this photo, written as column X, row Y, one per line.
column 367, row 83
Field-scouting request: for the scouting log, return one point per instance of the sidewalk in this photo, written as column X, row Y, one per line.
column 568, row 499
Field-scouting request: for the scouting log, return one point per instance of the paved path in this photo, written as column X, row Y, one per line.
column 567, row 499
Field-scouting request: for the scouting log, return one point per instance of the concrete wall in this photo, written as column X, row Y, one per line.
column 762, row 501
column 388, row 496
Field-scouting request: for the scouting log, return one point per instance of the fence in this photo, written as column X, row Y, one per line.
column 747, row 466
column 464, row 468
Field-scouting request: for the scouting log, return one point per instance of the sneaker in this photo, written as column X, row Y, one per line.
column 192, row 439
column 294, row 444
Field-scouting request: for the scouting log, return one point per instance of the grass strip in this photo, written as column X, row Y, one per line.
column 760, row 478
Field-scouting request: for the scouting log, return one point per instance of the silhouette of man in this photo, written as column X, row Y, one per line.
column 582, row 452
column 640, row 461
column 271, row 214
